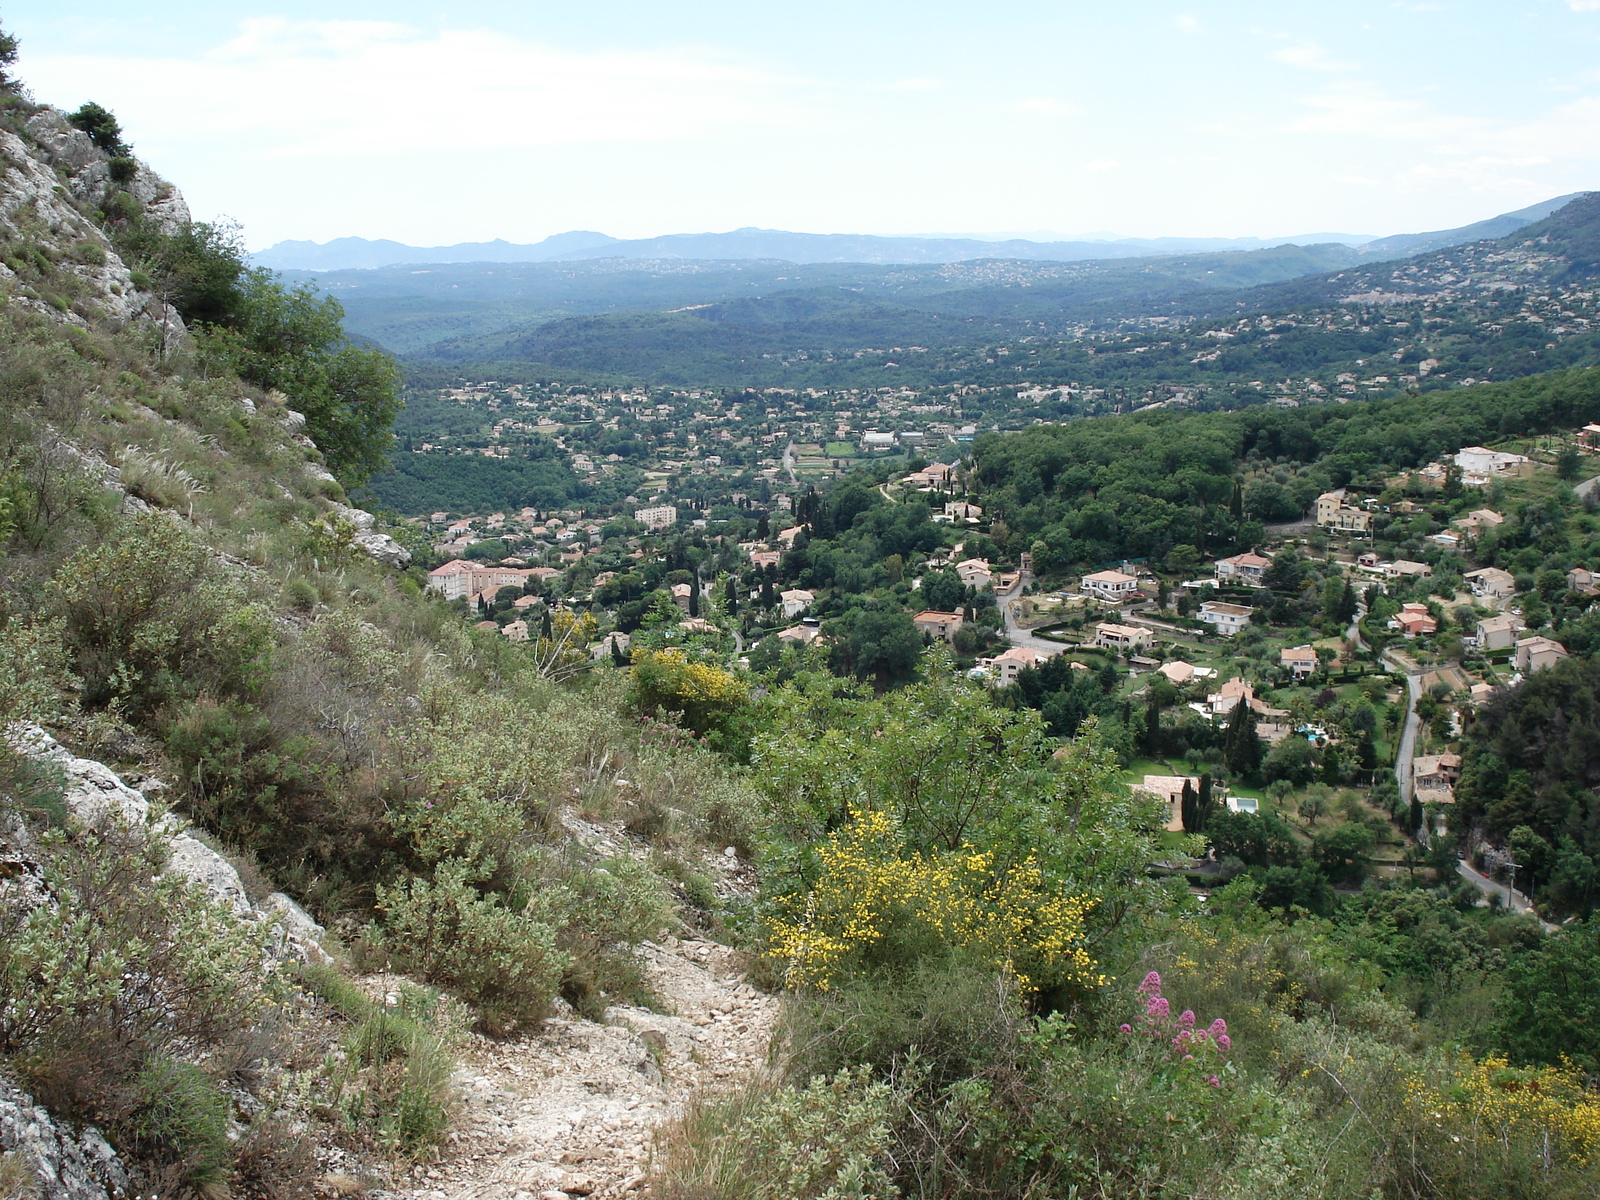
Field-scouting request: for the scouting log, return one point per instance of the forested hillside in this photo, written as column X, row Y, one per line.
column 1136, row 487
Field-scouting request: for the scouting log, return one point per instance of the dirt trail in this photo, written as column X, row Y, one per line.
column 571, row 1111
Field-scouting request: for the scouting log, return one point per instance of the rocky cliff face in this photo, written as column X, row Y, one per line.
column 53, row 177
column 56, row 260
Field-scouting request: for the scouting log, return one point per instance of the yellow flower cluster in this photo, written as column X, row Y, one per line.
column 689, row 682
column 1489, row 1096
column 871, row 889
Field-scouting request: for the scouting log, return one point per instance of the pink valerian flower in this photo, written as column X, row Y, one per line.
column 1186, row 1018
column 1158, row 1009
column 1125, row 1027
column 1219, row 1027
column 1224, row 1042
column 1151, row 985
column 1213, row 1081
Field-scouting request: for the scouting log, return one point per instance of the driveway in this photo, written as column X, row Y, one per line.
column 1017, row 635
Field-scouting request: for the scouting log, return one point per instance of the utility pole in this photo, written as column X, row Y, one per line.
column 1512, row 894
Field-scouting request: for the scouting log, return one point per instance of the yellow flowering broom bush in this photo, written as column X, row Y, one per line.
column 1488, row 1115
column 877, row 905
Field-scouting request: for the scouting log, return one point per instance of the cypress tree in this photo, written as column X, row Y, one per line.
column 1241, row 746
column 1236, row 503
column 1205, row 801
column 1188, row 808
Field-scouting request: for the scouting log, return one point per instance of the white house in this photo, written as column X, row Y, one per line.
column 1226, row 619
column 1111, row 586
column 1478, row 463
column 1004, row 668
column 795, row 602
column 975, row 573
column 1122, row 637
column 658, row 516
column 1491, row 582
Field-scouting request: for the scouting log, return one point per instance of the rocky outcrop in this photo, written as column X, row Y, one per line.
column 65, row 1165
column 380, row 546
column 94, row 795
column 89, row 169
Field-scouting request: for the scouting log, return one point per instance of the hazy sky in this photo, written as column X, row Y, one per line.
column 433, row 123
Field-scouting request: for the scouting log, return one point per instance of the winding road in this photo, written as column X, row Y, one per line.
column 1017, row 635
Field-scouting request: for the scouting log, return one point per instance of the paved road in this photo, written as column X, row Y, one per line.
column 1586, row 488
column 788, row 463
column 1516, row 901
column 1017, row 635
column 1408, row 738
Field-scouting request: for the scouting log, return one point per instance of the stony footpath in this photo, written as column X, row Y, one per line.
column 572, row 1110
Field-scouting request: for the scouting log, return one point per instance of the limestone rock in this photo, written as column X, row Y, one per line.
column 199, row 863
column 302, row 936
column 66, row 1165
column 383, row 548
column 94, row 795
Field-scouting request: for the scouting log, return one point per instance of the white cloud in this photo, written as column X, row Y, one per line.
column 1309, row 56
column 1187, row 23
column 292, row 89
column 1046, row 106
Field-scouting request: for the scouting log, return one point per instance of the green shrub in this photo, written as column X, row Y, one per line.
column 148, row 614
column 179, row 1120
column 502, row 960
column 301, row 595
column 123, row 168
column 394, row 1082
column 90, row 254
column 826, row 1141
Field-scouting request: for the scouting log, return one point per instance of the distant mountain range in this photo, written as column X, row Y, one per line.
column 752, row 244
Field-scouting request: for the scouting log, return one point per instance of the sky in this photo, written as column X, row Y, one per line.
column 433, row 124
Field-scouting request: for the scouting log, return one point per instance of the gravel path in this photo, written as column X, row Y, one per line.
column 572, row 1111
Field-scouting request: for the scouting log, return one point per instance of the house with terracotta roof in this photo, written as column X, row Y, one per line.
column 1248, row 569
column 1536, row 653
column 938, row 624
column 1300, row 660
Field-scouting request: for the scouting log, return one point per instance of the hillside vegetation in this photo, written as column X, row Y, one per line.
column 995, row 978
